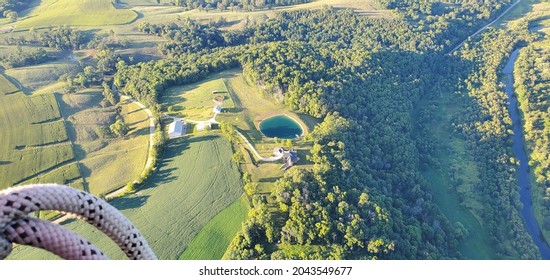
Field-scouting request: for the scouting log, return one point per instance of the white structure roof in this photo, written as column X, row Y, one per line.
column 177, row 128
column 217, row 109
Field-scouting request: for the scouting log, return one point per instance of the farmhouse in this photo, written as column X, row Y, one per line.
column 177, row 129
column 289, row 157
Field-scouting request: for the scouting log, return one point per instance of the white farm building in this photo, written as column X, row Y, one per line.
column 177, row 129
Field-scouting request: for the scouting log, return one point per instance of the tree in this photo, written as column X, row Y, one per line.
column 109, row 96
column 119, row 128
column 250, row 188
column 238, row 157
column 11, row 15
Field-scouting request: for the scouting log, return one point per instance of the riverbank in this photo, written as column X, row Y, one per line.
column 523, row 170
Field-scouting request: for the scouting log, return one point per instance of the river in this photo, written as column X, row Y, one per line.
column 524, row 175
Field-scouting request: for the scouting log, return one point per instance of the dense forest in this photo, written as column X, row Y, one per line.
column 364, row 197
column 235, row 4
column 531, row 78
column 486, row 124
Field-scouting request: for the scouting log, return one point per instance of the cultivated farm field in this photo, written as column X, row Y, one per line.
column 214, row 238
column 196, row 181
column 34, row 139
column 75, row 12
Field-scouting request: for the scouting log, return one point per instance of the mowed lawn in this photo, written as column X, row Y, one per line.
column 106, row 163
column 214, row 238
column 76, row 12
column 196, row 181
column 33, row 142
column 195, row 101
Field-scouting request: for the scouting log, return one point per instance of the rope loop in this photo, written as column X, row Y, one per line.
column 17, row 226
column 5, row 247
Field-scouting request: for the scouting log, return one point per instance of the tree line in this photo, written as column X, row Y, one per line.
column 531, row 85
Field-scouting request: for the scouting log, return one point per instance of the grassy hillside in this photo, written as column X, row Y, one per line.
column 157, row 14
column 195, row 182
column 35, row 77
column 214, row 238
column 195, row 101
column 76, row 12
column 106, row 163
column 34, row 139
column 6, row 87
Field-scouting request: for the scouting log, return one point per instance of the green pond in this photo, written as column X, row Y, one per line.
column 281, row 127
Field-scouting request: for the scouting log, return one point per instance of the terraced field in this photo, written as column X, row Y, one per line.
column 35, row 145
column 196, row 181
column 76, row 12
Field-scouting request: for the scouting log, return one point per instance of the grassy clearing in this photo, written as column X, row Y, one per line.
column 75, row 12
column 196, row 101
column 157, row 14
column 34, row 139
column 214, row 238
column 452, row 184
column 106, row 163
column 195, row 182
column 35, row 77
column 6, row 87
column 519, row 11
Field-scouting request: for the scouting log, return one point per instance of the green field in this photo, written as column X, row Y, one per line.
column 75, row 12
column 157, row 14
column 34, row 139
column 196, row 181
column 42, row 76
column 452, row 182
column 214, row 238
column 195, row 101
column 6, row 87
column 106, row 163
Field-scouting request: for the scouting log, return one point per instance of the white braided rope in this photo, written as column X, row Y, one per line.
column 17, row 227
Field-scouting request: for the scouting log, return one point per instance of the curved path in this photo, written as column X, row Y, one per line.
column 485, row 27
column 149, row 161
column 260, row 158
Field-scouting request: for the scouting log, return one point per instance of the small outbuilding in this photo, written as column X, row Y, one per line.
column 177, row 129
column 217, row 109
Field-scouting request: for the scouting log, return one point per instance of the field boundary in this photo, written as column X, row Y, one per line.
column 84, row 183
column 120, row 190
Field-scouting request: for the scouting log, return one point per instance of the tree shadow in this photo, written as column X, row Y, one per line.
column 129, row 202
column 233, row 110
column 269, row 180
column 139, row 132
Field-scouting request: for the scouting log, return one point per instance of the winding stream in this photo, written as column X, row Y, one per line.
column 524, row 175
